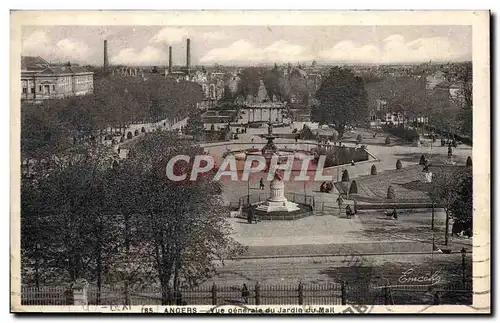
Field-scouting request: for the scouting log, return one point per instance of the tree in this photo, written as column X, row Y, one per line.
column 273, row 80
column 182, row 224
column 461, row 74
column 249, row 81
column 63, row 227
column 342, row 100
column 228, row 95
column 461, row 209
column 195, row 127
column 406, row 96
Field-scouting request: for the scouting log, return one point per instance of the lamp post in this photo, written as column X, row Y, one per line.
column 463, row 251
column 248, row 190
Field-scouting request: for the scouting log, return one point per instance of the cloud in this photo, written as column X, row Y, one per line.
column 169, row 35
column 38, row 43
column 69, row 49
column 213, row 35
column 130, row 56
column 244, row 51
column 395, row 49
column 35, row 41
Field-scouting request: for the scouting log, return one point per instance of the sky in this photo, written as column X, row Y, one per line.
column 248, row 45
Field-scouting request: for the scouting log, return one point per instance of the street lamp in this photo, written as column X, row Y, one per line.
column 463, row 251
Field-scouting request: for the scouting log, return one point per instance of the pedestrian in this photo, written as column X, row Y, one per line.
column 450, row 152
column 119, row 150
column 245, row 293
column 261, row 183
column 340, row 201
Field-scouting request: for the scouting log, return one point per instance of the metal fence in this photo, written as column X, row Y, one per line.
column 286, row 294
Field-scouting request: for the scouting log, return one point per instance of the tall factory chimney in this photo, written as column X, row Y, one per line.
column 106, row 65
column 169, row 59
column 188, row 56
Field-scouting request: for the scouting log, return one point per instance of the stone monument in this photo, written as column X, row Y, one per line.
column 277, row 202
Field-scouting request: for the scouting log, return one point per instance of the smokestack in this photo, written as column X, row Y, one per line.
column 106, row 65
column 188, row 55
column 169, row 59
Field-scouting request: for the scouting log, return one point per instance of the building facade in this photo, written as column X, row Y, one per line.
column 41, row 81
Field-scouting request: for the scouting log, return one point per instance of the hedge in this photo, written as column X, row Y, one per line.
column 390, row 193
column 354, row 188
column 409, row 135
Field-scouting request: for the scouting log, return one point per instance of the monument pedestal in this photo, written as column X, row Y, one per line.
column 277, row 201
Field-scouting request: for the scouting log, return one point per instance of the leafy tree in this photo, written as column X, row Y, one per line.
column 406, row 96
column 249, row 81
column 447, row 182
column 461, row 209
column 195, row 127
column 184, row 224
column 461, row 73
column 342, row 100
column 62, row 223
column 273, row 80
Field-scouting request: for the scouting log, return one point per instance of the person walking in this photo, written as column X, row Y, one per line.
column 340, row 201
column 261, row 184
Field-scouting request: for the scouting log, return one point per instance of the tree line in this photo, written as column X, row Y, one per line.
column 346, row 99
column 117, row 101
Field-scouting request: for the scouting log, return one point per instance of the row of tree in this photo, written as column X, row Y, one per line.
column 346, row 99
column 117, row 101
column 275, row 82
column 127, row 224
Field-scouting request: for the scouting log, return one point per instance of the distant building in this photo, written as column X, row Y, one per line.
column 40, row 80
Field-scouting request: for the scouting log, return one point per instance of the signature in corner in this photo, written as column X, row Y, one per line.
column 430, row 278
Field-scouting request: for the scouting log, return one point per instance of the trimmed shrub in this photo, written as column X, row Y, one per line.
column 468, row 163
column 359, row 138
column 373, row 171
column 422, row 160
column 353, row 189
column 390, row 193
column 409, row 135
column 399, row 165
column 122, row 138
column 345, row 176
column 387, row 140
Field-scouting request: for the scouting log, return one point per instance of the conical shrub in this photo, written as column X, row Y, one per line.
column 345, row 176
column 399, row 165
column 373, row 170
column 422, row 160
column 390, row 193
column 468, row 163
column 354, row 188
